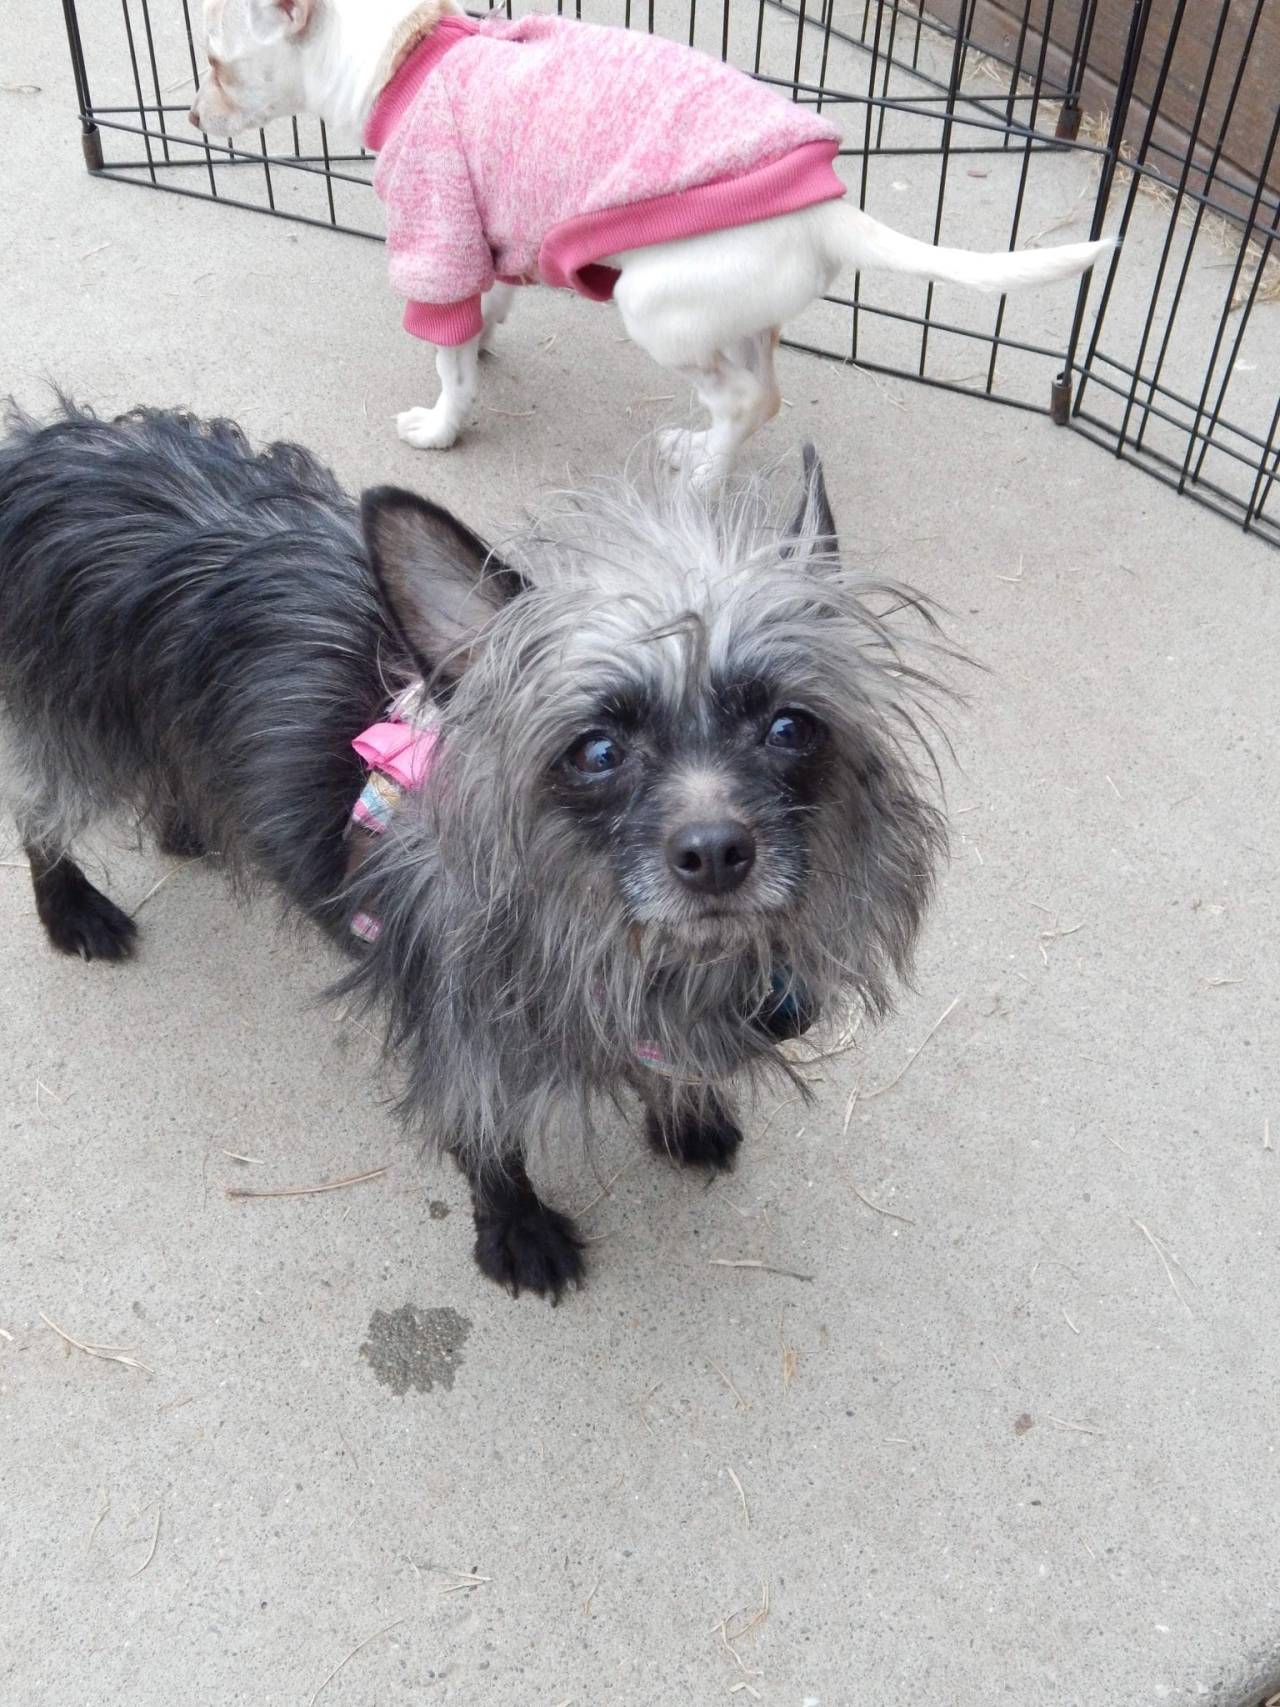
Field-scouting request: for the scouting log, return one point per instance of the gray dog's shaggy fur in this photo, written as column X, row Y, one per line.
column 196, row 633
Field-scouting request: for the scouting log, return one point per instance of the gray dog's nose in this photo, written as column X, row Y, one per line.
column 712, row 858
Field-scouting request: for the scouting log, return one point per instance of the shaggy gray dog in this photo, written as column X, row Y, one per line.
column 672, row 811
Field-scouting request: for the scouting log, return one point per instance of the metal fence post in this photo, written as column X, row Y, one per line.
column 1063, row 399
column 90, row 136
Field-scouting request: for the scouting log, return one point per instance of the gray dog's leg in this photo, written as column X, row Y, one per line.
column 77, row 918
column 520, row 1242
column 691, row 1124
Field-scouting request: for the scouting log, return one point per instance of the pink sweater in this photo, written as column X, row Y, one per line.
column 531, row 150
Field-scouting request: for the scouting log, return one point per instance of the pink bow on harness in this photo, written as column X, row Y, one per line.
column 399, row 759
column 399, row 751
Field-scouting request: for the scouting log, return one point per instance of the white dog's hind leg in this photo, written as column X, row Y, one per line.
column 741, row 393
column 495, row 305
column 438, row 427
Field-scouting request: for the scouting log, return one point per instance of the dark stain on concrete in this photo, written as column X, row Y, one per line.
column 437, row 1209
column 1023, row 1423
column 415, row 1348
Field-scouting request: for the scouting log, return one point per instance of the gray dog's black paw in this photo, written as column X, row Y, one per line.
column 709, row 1139
column 529, row 1248
column 79, row 919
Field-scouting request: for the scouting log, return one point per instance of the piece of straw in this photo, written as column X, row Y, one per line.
column 155, row 1539
column 787, row 1102
column 728, row 1381
column 108, row 1353
column 331, row 1675
column 1158, row 1248
column 97, row 1522
column 898, row 1076
column 732, row 1475
column 304, row 1190
column 790, row 1356
column 167, row 878
column 891, row 1214
column 754, row 1262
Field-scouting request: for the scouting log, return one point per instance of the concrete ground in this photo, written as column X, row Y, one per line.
column 1006, row 1431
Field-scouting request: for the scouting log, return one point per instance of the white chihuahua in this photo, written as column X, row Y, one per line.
column 612, row 162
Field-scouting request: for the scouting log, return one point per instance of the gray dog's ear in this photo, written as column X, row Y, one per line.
column 440, row 582
column 814, row 525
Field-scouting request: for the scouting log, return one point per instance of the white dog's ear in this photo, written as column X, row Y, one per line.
column 814, row 527
column 277, row 20
column 440, row 582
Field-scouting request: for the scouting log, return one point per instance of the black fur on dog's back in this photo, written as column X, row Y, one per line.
column 240, row 578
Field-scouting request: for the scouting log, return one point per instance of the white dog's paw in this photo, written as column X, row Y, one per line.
column 680, row 448
column 427, row 429
column 706, row 475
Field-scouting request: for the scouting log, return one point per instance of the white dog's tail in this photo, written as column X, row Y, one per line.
column 863, row 242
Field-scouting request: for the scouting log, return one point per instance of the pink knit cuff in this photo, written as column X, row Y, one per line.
column 447, row 323
column 572, row 251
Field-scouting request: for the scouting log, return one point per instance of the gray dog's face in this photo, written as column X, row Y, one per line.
column 673, row 722
column 692, row 790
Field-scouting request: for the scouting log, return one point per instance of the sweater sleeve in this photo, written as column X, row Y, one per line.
column 439, row 257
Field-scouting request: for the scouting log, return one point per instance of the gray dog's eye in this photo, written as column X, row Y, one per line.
column 794, row 731
column 596, row 754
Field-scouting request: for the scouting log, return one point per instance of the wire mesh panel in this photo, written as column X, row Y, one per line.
column 1181, row 370
column 983, row 123
column 955, row 136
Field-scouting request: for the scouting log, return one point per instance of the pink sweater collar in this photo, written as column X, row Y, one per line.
column 397, row 96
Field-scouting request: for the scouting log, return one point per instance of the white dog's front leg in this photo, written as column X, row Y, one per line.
column 438, row 427
column 495, row 305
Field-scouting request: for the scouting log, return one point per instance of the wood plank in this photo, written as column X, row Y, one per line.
column 996, row 26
